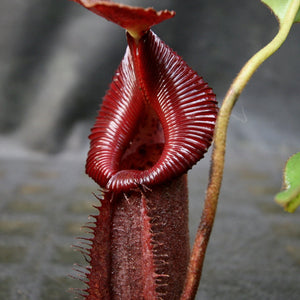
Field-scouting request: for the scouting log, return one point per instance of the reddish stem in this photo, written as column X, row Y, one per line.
column 199, row 250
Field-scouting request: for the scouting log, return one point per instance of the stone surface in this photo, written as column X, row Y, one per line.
column 38, row 230
column 253, row 253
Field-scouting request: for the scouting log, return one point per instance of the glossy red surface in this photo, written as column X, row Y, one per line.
column 152, row 83
column 137, row 20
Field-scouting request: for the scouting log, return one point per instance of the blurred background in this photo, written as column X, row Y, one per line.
column 56, row 62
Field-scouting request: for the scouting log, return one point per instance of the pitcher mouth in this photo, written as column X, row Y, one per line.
column 156, row 102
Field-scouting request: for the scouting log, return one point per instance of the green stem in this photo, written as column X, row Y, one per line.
column 218, row 155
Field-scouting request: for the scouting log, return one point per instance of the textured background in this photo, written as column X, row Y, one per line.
column 57, row 60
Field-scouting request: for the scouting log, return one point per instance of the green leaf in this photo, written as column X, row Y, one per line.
column 280, row 9
column 297, row 18
column 290, row 197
